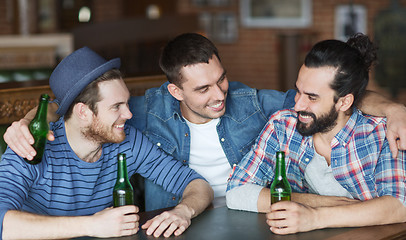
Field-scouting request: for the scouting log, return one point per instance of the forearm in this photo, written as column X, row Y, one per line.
column 308, row 199
column 377, row 105
column 42, row 227
column 314, row 200
column 196, row 198
column 382, row 210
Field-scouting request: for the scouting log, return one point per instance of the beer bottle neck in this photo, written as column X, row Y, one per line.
column 42, row 107
column 280, row 170
column 122, row 169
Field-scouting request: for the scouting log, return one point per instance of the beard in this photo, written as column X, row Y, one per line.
column 323, row 124
column 101, row 133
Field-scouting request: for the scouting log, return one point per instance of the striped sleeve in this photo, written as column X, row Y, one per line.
column 15, row 181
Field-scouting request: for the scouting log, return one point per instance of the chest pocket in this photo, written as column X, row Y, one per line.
column 161, row 142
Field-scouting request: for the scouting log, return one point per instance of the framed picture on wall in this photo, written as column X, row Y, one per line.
column 350, row 19
column 276, row 13
column 220, row 27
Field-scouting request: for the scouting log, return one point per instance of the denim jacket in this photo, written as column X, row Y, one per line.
column 157, row 114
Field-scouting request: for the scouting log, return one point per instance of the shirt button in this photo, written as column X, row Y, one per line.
column 307, row 160
column 222, row 139
column 186, row 134
column 158, row 144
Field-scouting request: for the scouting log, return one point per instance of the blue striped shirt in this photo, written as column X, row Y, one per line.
column 360, row 157
column 64, row 185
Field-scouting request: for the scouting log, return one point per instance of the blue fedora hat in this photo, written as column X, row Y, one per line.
column 75, row 72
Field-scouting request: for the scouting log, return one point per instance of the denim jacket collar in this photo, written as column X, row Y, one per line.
column 162, row 104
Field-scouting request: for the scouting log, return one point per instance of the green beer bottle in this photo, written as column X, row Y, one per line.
column 280, row 187
column 123, row 191
column 39, row 129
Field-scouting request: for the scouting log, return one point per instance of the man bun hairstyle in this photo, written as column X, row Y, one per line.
column 352, row 61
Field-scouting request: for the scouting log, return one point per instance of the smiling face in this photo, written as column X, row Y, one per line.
column 315, row 106
column 108, row 125
column 204, row 91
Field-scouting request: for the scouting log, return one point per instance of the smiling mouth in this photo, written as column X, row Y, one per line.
column 119, row 126
column 217, row 107
column 305, row 118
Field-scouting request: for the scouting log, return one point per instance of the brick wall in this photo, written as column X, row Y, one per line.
column 255, row 58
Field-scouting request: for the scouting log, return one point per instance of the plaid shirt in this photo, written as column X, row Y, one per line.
column 360, row 157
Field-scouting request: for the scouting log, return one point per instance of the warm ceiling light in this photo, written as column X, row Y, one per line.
column 84, row 14
column 153, row 12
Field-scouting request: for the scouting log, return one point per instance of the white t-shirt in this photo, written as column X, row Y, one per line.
column 321, row 180
column 207, row 156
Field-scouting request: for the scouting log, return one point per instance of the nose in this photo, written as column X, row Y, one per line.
column 300, row 104
column 218, row 93
column 127, row 113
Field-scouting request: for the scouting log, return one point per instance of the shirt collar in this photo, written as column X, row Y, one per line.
column 345, row 134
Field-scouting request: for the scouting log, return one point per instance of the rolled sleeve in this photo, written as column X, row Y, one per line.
column 391, row 174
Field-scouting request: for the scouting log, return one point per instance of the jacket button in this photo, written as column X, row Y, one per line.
column 186, row 134
column 184, row 161
column 174, row 198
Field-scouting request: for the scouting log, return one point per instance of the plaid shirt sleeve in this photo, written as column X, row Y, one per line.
column 257, row 165
column 390, row 174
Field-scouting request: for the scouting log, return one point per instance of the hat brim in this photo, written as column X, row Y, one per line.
column 82, row 83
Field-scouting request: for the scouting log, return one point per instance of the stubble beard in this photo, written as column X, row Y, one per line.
column 100, row 133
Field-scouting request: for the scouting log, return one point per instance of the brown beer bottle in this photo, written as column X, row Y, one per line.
column 280, row 187
column 123, row 191
column 39, row 129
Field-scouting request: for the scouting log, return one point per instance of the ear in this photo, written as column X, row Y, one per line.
column 345, row 103
column 82, row 111
column 175, row 91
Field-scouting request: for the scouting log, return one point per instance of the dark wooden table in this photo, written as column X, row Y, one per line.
column 222, row 223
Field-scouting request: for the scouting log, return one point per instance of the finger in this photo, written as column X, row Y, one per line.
column 152, row 225
column 180, row 230
column 172, row 228
column 401, row 143
column 282, row 231
column 393, row 145
column 280, row 223
column 51, row 136
column 26, row 134
column 164, row 225
column 130, row 225
column 132, row 217
column 22, row 141
column 128, row 232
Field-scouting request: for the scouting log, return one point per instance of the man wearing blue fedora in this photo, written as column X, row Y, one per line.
column 69, row 193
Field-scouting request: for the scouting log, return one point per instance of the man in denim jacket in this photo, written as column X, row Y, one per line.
column 198, row 92
column 203, row 120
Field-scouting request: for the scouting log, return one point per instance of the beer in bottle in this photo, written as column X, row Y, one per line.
column 280, row 187
column 122, row 192
column 39, row 129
